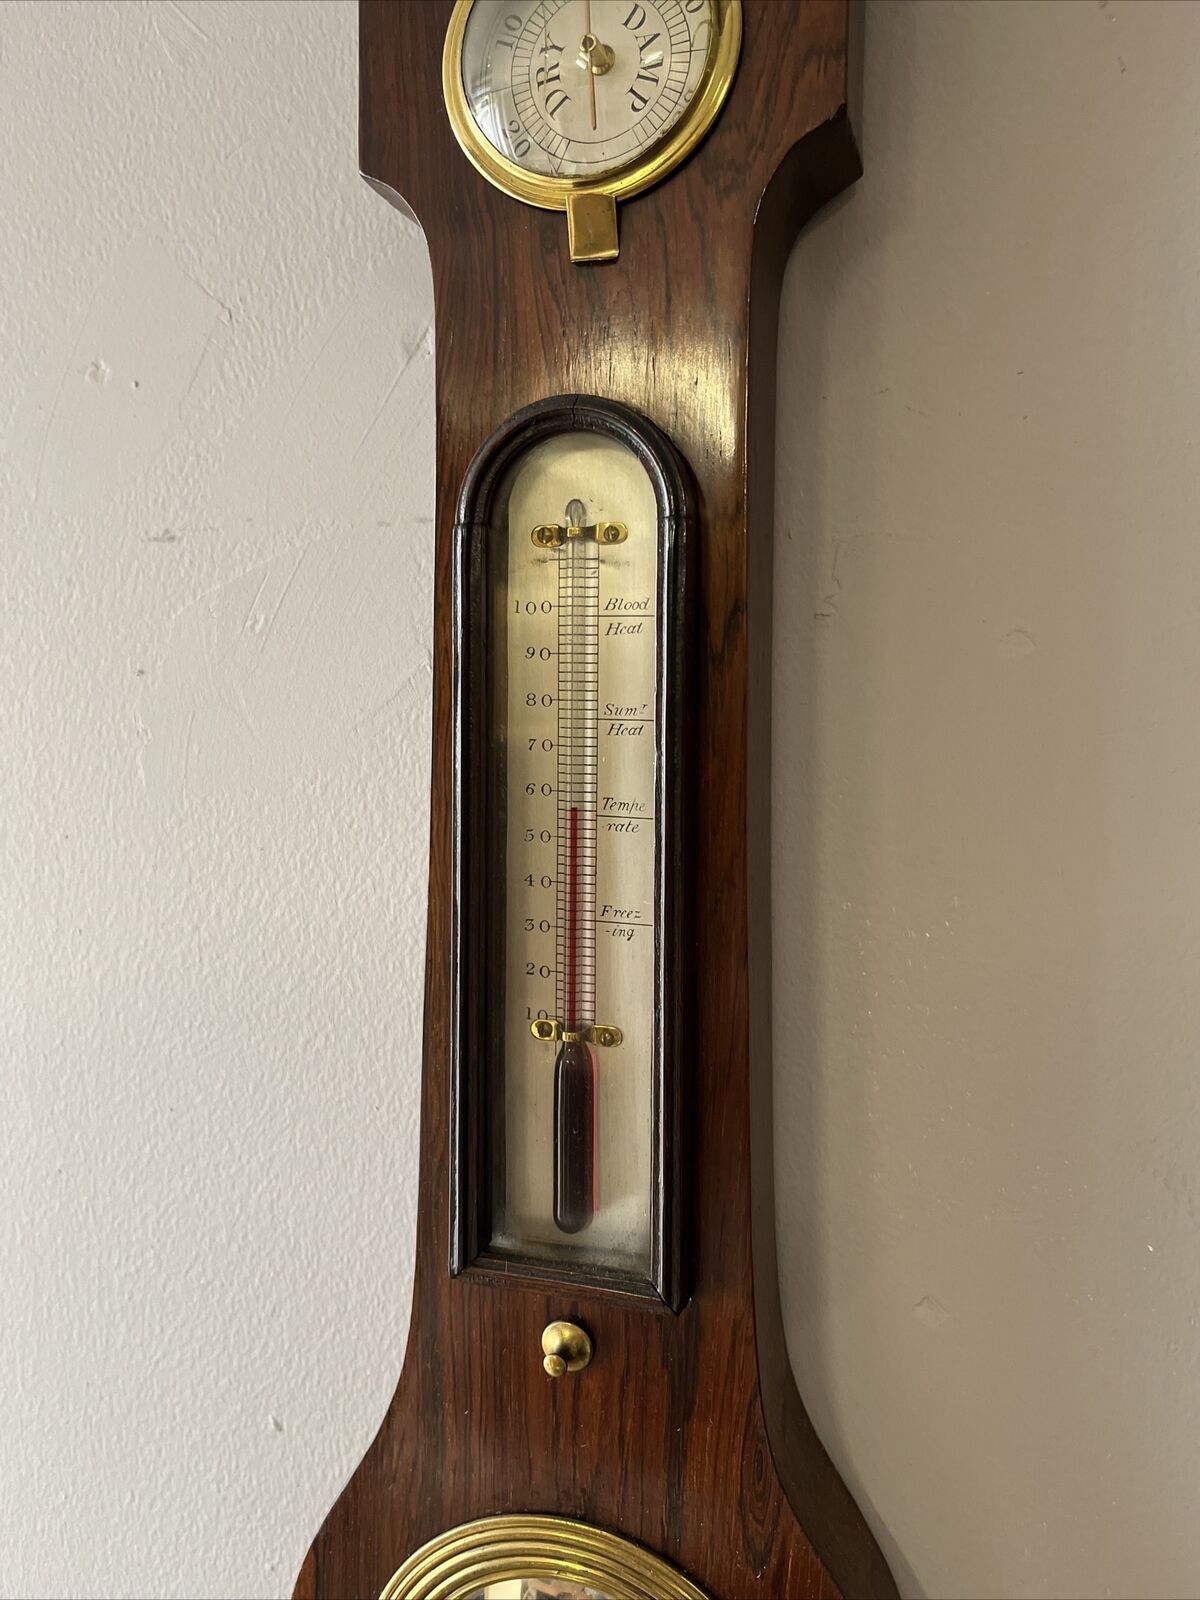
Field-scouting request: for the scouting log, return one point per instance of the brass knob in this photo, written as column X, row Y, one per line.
column 565, row 1348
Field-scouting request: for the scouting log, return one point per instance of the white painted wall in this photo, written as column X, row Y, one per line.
column 215, row 491
column 215, row 499
column 988, row 800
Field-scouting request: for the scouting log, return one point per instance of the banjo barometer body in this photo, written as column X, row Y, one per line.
column 596, row 1399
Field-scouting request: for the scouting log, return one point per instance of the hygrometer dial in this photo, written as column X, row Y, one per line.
column 555, row 100
column 579, row 88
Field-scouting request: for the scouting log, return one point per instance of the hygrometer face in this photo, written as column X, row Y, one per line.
column 582, row 88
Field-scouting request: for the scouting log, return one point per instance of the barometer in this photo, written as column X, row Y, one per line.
column 596, row 1401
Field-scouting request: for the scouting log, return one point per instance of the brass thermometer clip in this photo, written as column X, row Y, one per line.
column 550, row 1030
column 550, row 535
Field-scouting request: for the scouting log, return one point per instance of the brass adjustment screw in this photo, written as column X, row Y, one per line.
column 565, row 1348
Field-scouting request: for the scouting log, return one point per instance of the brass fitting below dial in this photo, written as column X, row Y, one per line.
column 565, row 1348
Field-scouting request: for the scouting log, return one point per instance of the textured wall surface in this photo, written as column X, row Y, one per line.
column 215, row 503
column 215, row 498
column 987, row 795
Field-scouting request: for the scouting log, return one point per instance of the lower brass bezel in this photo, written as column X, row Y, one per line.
column 461, row 1561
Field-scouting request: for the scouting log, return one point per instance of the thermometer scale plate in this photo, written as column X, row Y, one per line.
column 570, row 639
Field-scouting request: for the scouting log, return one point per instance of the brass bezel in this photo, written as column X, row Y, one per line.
column 642, row 171
column 462, row 1560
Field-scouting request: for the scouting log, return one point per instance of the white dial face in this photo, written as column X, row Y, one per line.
column 576, row 88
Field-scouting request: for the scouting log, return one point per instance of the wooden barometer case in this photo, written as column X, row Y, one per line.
column 596, row 1398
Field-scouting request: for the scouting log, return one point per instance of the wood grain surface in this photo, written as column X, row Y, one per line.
column 686, row 1432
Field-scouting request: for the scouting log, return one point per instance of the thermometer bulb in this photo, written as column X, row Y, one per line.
column 574, row 1136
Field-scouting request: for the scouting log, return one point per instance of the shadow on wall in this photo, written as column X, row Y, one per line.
column 982, row 785
column 807, row 580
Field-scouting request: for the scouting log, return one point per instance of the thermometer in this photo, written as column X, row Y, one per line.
column 572, row 676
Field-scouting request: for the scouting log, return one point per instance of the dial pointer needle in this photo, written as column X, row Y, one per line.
column 590, row 39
